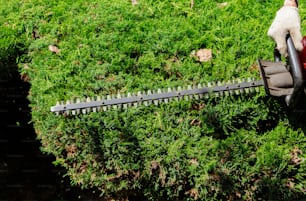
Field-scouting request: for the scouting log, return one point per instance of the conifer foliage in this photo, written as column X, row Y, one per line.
column 243, row 147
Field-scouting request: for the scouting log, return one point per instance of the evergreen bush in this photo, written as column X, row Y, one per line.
column 242, row 147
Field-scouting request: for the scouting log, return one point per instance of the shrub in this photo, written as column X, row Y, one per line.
column 229, row 148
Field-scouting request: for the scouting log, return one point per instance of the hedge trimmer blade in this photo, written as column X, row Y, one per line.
column 280, row 79
column 149, row 97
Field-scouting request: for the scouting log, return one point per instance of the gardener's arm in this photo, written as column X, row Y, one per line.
column 287, row 21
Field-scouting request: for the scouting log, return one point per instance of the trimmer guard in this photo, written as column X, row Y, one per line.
column 276, row 77
column 284, row 79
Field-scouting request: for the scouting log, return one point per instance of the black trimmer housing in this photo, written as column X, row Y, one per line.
column 284, row 79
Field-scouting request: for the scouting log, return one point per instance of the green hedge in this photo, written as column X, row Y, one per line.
column 231, row 148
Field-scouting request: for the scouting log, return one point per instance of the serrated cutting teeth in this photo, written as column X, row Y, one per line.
column 122, row 101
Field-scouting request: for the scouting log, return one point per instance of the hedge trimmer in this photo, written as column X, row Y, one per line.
column 280, row 79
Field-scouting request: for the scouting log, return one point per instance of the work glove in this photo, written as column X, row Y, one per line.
column 287, row 21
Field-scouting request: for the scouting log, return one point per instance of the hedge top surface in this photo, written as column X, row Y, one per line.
column 229, row 148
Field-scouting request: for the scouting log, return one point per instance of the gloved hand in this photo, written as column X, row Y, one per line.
column 287, row 21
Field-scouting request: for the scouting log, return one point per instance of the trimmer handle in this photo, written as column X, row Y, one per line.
column 296, row 71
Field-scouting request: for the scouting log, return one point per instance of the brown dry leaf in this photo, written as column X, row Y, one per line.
column 199, row 106
column 295, row 159
column 54, row 49
column 290, row 183
column 194, row 161
column 203, row 55
column 254, row 188
column 134, row 2
column 35, row 34
column 254, row 67
column 162, row 176
column 193, row 193
column 117, row 176
column 26, row 66
column 71, row 150
column 154, row 165
column 83, row 168
column 111, row 78
column 93, row 177
column 195, row 122
column 180, row 120
column 136, row 175
column 24, row 77
column 215, row 177
column 222, row 5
